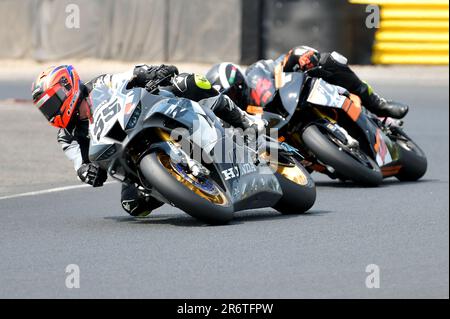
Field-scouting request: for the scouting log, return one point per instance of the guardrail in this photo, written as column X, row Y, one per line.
column 411, row 32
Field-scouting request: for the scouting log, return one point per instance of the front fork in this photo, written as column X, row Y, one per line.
column 177, row 154
column 335, row 129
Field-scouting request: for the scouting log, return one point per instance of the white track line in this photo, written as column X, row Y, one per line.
column 49, row 191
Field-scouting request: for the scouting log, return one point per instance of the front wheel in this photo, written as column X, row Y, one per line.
column 353, row 165
column 201, row 198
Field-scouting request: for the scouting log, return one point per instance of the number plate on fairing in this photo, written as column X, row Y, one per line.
column 325, row 94
column 109, row 107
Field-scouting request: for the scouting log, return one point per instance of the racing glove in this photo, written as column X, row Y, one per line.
column 165, row 71
column 161, row 76
column 143, row 75
column 92, row 174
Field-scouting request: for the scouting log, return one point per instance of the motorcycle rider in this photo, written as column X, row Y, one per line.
column 64, row 100
column 332, row 67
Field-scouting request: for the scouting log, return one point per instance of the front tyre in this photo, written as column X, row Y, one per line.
column 202, row 199
column 357, row 167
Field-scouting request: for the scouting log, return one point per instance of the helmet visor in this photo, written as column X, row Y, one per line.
column 50, row 105
column 238, row 93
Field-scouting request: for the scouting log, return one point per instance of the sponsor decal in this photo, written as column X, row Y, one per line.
column 202, row 82
column 181, row 83
column 230, row 173
column 236, row 171
column 72, row 103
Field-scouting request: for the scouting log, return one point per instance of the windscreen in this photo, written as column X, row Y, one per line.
column 99, row 96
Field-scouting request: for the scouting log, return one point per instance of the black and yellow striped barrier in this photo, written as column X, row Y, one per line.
column 411, row 32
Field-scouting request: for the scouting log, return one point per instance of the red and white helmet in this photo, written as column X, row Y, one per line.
column 56, row 92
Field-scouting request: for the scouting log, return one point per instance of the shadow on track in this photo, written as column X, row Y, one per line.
column 386, row 183
column 184, row 220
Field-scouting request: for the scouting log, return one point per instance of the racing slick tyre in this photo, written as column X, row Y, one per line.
column 357, row 167
column 201, row 198
column 413, row 160
column 299, row 190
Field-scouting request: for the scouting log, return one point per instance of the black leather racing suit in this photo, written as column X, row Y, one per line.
column 334, row 68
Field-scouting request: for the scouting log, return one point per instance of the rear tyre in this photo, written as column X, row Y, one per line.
column 299, row 190
column 203, row 200
column 363, row 171
column 414, row 161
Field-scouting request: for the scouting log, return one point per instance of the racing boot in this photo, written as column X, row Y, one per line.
column 224, row 108
column 136, row 203
column 382, row 107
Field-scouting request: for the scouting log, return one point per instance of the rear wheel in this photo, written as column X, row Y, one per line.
column 352, row 164
column 413, row 159
column 201, row 198
column 299, row 189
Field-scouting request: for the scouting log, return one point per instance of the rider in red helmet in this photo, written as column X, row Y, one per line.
column 63, row 99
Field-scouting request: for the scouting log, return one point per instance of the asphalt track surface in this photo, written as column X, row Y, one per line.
column 401, row 227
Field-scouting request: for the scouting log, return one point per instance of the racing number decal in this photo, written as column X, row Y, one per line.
column 329, row 92
column 108, row 113
column 326, row 94
column 98, row 127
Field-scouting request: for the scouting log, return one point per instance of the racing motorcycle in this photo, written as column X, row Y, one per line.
column 332, row 130
column 152, row 139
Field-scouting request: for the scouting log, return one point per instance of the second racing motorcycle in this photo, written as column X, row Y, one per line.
column 332, row 130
